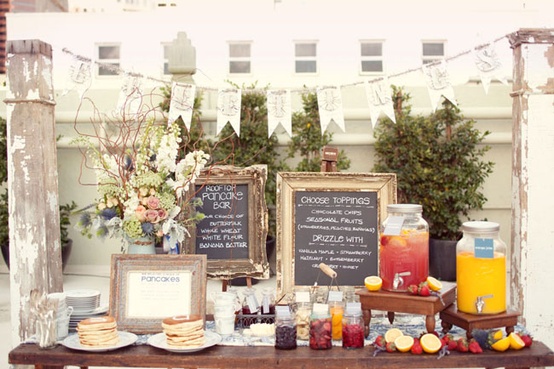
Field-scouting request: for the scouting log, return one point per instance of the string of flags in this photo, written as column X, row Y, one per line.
column 378, row 92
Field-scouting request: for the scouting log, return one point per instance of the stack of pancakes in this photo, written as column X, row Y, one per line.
column 98, row 331
column 184, row 331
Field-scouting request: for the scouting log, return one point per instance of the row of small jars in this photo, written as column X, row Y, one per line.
column 321, row 327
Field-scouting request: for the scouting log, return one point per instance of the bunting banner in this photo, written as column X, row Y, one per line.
column 489, row 65
column 279, row 110
column 130, row 96
column 228, row 109
column 379, row 97
column 79, row 77
column 329, row 101
column 182, row 103
column 438, row 83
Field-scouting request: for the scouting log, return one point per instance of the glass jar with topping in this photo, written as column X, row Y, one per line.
column 285, row 329
column 403, row 247
column 353, row 326
column 481, row 269
column 320, row 327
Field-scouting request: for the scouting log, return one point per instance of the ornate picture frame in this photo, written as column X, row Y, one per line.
column 145, row 289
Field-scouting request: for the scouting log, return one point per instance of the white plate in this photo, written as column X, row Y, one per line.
column 159, row 341
column 125, row 339
column 82, row 293
column 98, row 310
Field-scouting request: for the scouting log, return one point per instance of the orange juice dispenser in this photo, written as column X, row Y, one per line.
column 481, row 269
column 403, row 247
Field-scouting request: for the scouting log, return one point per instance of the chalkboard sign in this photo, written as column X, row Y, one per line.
column 234, row 230
column 338, row 229
column 330, row 218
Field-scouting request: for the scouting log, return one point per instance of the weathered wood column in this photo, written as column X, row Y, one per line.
column 532, row 262
column 182, row 59
column 35, row 250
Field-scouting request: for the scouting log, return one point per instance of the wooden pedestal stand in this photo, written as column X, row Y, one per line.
column 451, row 316
column 403, row 302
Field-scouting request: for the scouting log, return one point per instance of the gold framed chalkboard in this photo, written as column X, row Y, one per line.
column 145, row 289
column 233, row 233
column 331, row 218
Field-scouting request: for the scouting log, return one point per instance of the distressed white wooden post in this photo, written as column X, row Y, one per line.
column 35, row 250
column 181, row 61
column 532, row 270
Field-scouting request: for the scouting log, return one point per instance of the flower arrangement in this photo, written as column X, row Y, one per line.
column 142, row 186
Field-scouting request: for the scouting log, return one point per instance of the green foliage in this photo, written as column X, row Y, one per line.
column 307, row 139
column 253, row 146
column 438, row 161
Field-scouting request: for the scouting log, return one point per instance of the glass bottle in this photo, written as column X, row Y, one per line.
column 250, row 306
column 268, row 301
column 320, row 327
column 403, row 247
column 353, row 326
column 481, row 269
column 285, row 329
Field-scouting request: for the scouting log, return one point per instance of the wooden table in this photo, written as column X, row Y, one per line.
column 538, row 355
column 403, row 302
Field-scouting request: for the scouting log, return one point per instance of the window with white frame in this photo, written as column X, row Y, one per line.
column 371, row 57
column 432, row 51
column 239, row 57
column 305, row 57
column 108, row 58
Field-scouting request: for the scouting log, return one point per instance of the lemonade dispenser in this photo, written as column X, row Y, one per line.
column 403, row 247
column 481, row 269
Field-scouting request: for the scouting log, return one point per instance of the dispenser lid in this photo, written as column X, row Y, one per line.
column 404, row 208
column 480, row 226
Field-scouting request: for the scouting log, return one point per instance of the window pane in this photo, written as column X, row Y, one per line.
column 239, row 67
column 305, row 66
column 166, row 51
column 372, row 49
column 433, row 49
column 372, row 66
column 239, row 50
column 103, row 71
column 108, row 52
column 305, row 49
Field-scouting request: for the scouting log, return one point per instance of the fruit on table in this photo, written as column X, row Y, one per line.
column 434, row 284
column 373, row 283
column 516, row 342
column 527, row 339
column 392, row 334
column 502, row 344
column 404, row 343
column 430, row 343
column 416, row 347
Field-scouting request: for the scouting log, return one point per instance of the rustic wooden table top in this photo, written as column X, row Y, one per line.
column 538, row 355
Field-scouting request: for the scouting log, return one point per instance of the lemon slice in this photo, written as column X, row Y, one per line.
column 430, row 343
column 404, row 343
column 434, row 284
column 373, row 283
column 516, row 342
column 502, row 344
column 498, row 334
column 392, row 334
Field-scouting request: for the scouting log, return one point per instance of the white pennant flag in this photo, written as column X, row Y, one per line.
column 228, row 109
column 79, row 77
column 379, row 97
column 182, row 103
column 329, row 101
column 130, row 96
column 279, row 111
column 489, row 65
column 438, row 83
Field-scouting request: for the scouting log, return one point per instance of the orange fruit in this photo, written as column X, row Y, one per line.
column 404, row 343
column 434, row 284
column 392, row 334
column 373, row 283
column 430, row 343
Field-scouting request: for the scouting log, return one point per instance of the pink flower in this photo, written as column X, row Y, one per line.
column 162, row 214
column 139, row 212
column 151, row 216
column 153, row 202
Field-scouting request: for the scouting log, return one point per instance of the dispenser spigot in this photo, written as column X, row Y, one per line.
column 480, row 303
column 398, row 281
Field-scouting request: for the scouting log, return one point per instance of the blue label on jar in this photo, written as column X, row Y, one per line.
column 484, row 248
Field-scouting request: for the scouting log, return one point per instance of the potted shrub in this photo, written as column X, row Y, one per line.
column 439, row 164
column 65, row 210
column 307, row 142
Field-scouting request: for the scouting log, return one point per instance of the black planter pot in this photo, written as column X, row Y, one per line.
column 442, row 259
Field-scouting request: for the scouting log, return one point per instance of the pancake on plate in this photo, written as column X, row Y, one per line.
column 98, row 331
column 184, row 331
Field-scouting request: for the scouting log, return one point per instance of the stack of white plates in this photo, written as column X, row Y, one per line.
column 86, row 304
